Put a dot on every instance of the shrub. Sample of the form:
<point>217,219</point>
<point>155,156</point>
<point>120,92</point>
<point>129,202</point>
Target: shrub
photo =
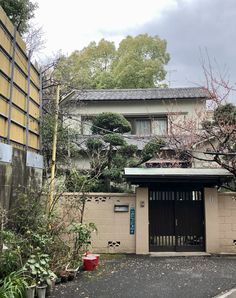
<point>13,286</point>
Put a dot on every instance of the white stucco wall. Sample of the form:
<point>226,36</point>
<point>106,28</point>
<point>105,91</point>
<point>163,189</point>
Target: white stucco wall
<point>185,108</point>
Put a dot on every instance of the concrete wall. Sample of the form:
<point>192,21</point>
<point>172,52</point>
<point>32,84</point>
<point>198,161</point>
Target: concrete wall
<point>16,176</point>
<point>211,220</point>
<point>113,234</point>
<point>227,222</point>
<point>114,227</point>
<point>142,220</point>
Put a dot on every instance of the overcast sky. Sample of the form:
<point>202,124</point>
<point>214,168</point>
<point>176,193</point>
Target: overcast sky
<point>189,26</point>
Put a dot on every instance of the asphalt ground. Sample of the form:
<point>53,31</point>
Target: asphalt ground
<point>143,276</point>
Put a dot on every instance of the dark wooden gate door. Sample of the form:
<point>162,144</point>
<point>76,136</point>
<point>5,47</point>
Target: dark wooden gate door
<point>176,220</point>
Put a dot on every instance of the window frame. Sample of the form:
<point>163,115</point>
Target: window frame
<point>151,119</point>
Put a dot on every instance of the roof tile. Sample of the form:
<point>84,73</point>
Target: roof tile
<point>138,94</point>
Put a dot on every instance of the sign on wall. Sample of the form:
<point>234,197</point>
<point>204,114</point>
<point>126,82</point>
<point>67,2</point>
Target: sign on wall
<point>132,221</point>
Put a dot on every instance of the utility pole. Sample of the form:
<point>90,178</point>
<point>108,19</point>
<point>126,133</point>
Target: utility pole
<point>54,151</point>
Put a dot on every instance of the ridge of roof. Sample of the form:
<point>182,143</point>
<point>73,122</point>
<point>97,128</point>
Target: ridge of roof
<point>137,89</point>
<point>137,94</point>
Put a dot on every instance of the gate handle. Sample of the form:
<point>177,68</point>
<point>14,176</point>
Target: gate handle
<point>176,222</point>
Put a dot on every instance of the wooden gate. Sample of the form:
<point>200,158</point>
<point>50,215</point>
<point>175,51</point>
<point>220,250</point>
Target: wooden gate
<point>176,220</point>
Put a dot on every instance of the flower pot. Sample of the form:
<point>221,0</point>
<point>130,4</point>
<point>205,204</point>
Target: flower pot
<point>30,291</point>
<point>90,263</point>
<point>41,291</point>
<point>97,256</point>
<point>50,287</point>
<point>72,271</point>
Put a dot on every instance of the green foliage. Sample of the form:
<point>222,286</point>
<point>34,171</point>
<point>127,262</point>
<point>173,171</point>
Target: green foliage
<point>138,62</point>
<point>19,12</point>
<point>151,149</point>
<point>81,234</point>
<point>29,221</point>
<point>110,122</point>
<point>77,181</point>
<point>94,144</point>
<point>34,239</point>
<point>225,115</point>
<point>28,213</point>
<point>114,139</point>
<point>13,286</point>
<point>38,267</point>
<point>10,259</point>
<point>106,156</point>
<point>114,174</point>
<point>63,139</point>
<point>221,134</point>
<point>109,154</point>
<point>89,68</point>
<point>128,150</point>
<point>27,232</point>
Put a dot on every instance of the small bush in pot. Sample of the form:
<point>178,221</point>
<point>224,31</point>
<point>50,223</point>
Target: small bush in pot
<point>38,267</point>
<point>31,286</point>
<point>81,235</point>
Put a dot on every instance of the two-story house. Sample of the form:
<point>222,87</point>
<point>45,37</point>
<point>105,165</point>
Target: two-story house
<point>151,112</point>
<point>174,209</point>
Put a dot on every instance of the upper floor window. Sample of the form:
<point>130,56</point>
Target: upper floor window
<point>141,126</point>
<point>149,126</point>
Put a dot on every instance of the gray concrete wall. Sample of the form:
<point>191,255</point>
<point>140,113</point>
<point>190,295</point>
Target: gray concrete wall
<point>15,177</point>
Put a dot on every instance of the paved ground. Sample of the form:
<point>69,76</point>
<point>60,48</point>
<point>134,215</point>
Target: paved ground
<point>138,276</point>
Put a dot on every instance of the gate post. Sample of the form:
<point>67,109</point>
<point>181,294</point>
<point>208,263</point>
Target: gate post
<point>211,220</point>
<point>142,221</point>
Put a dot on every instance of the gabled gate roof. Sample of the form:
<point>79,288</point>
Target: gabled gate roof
<point>203,177</point>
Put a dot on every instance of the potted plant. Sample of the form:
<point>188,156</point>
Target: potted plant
<point>31,286</point>
<point>81,235</point>
<point>38,268</point>
<point>30,291</point>
<point>51,282</point>
<point>73,267</point>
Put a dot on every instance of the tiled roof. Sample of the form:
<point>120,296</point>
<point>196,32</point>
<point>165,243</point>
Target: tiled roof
<point>177,172</point>
<point>137,94</point>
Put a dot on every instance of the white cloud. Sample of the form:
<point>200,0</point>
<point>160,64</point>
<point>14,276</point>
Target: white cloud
<point>72,24</point>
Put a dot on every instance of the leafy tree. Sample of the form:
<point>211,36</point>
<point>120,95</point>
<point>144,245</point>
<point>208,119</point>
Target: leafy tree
<point>110,127</point>
<point>19,12</point>
<point>151,149</point>
<point>106,151</point>
<point>89,68</point>
<point>109,154</point>
<point>221,134</point>
<point>107,123</point>
<point>138,62</point>
<point>214,144</point>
